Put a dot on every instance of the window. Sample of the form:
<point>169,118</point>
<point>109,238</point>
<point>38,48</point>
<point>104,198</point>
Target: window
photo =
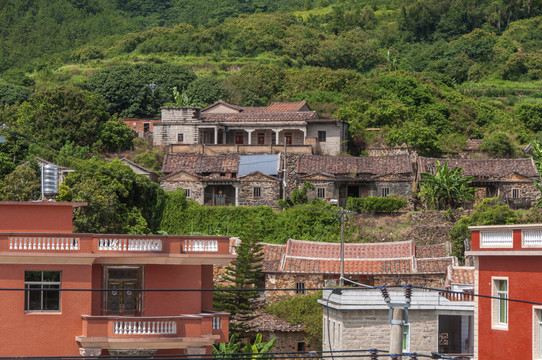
<point>406,338</point>
<point>261,139</point>
<point>146,127</point>
<point>301,346</point>
<point>180,138</point>
<point>187,193</point>
<point>321,136</point>
<point>500,305</point>
<point>257,192</point>
<point>41,300</point>
<point>515,193</point>
<point>217,323</point>
<point>321,192</point>
<point>537,332</point>
<point>385,192</point>
<point>288,138</point>
<point>299,287</point>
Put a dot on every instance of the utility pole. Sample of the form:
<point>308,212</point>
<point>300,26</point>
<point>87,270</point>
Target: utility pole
<point>284,172</point>
<point>342,246</point>
<point>396,340</point>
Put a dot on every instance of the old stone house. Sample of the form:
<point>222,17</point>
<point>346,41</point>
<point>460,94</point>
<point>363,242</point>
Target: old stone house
<point>290,338</point>
<point>304,265</point>
<point>257,129</point>
<point>239,180</point>
<point>509,179</point>
<point>341,177</point>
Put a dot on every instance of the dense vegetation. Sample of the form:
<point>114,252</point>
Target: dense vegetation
<point>427,73</point>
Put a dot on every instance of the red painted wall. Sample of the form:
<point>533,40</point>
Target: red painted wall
<point>524,278</point>
<point>42,334</point>
<point>36,217</point>
<point>172,277</point>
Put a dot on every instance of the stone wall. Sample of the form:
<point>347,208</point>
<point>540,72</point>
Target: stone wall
<point>330,191</point>
<point>165,134</point>
<point>288,281</point>
<point>196,189</point>
<point>269,191</point>
<point>527,192</point>
<point>366,329</point>
<point>332,145</point>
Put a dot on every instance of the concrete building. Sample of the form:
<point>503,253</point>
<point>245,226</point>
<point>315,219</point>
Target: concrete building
<point>60,309</point>
<point>227,128</point>
<point>359,319</point>
<point>508,263</point>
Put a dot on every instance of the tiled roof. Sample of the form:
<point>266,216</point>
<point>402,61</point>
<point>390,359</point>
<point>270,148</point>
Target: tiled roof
<point>492,168</point>
<point>272,255</point>
<point>286,106</point>
<point>197,163</point>
<point>431,251</point>
<point>461,275</point>
<point>343,165</point>
<point>264,322</point>
<point>473,144</point>
<point>306,257</point>
<point>259,116</point>
<point>311,249</point>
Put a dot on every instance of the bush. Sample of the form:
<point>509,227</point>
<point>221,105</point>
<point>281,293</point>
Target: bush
<point>302,310</point>
<point>375,204</point>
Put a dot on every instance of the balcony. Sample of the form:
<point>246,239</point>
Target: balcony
<point>98,248</point>
<point>520,239</point>
<point>152,333</point>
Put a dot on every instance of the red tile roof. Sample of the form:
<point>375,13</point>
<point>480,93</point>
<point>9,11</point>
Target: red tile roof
<point>492,168</point>
<point>461,275</point>
<point>198,164</point>
<point>432,251</point>
<point>259,116</point>
<point>306,257</point>
<point>264,322</point>
<point>344,165</point>
<point>287,106</point>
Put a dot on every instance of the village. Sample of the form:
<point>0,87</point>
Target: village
<point>412,293</point>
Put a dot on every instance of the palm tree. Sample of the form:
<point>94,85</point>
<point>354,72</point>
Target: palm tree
<point>446,189</point>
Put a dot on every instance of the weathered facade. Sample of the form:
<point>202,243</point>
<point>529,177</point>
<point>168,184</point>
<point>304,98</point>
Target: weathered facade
<point>216,180</point>
<point>509,179</point>
<point>293,124</point>
<point>341,177</point>
<point>304,265</point>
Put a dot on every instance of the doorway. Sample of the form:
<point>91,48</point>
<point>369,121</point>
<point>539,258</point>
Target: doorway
<point>124,297</point>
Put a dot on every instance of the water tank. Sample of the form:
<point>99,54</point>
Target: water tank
<point>49,182</point>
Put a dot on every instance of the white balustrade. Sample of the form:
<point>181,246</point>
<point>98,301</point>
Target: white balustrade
<point>145,327</point>
<point>111,244</point>
<point>200,245</point>
<point>43,243</point>
<point>532,238</point>
<point>496,239</point>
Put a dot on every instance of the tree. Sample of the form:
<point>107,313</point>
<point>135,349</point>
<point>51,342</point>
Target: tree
<point>299,196</point>
<point>119,201</point>
<point>243,273</point>
<point>59,115</point>
<point>206,90</point>
<point>23,184</point>
<point>421,138</point>
<point>446,189</point>
<point>116,136</point>
<point>499,144</point>
<point>139,90</point>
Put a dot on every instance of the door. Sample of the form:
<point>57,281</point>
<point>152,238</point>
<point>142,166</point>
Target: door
<point>123,298</point>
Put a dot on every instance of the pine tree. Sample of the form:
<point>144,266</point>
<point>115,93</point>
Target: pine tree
<point>244,272</point>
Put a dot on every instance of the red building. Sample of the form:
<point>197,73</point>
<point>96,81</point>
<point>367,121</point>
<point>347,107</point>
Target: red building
<point>41,260</point>
<point>508,263</point>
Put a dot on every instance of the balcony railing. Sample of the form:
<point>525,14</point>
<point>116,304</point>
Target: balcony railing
<point>33,242</point>
<point>196,325</point>
<point>114,244</point>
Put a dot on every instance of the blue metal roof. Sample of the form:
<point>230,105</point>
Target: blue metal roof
<point>267,164</point>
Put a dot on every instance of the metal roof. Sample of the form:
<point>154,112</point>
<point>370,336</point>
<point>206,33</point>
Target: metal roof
<point>267,164</point>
